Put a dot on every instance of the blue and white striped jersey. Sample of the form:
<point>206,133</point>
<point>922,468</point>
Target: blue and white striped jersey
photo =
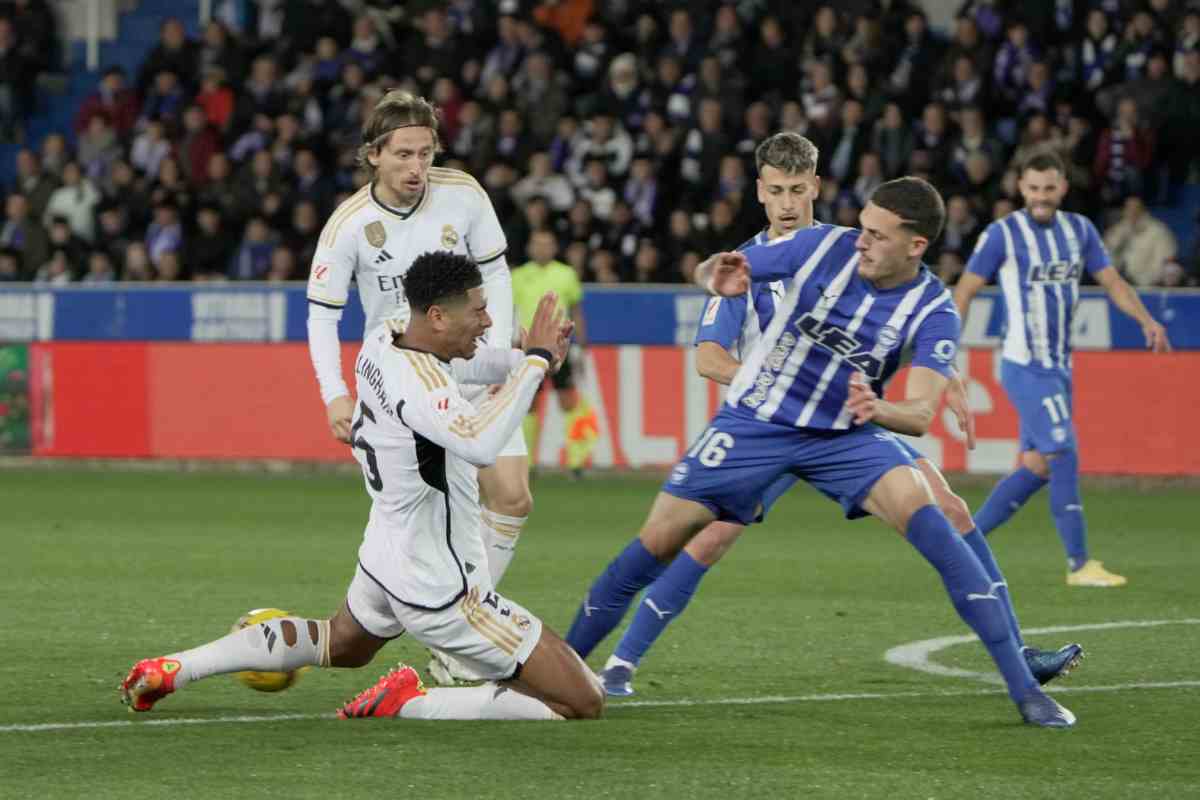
<point>1038,268</point>
<point>833,323</point>
<point>736,323</point>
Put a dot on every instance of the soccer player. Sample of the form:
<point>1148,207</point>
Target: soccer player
<point>787,186</point>
<point>530,281</point>
<point>421,567</point>
<point>1038,254</point>
<point>806,403</point>
<point>408,208</point>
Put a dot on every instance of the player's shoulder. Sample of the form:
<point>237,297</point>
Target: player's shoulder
<point>343,216</point>
<point>418,369</point>
<point>1080,224</point>
<point>448,181</point>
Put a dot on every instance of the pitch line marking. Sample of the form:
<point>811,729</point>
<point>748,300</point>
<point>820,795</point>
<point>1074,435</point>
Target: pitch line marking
<point>915,655</point>
<point>682,703</point>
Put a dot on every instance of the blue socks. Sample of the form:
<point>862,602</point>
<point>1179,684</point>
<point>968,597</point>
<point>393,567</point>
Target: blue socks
<point>1012,492</point>
<point>608,599</point>
<point>979,546</point>
<point>969,588</point>
<point>1066,508</point>
<point>665,600</point>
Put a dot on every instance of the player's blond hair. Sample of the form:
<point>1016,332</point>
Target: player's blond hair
<point>787,152</point>
<point>395,110</point>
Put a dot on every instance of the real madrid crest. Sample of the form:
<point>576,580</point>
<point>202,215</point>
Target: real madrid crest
<point>449,237</point>
<point>376,233</point>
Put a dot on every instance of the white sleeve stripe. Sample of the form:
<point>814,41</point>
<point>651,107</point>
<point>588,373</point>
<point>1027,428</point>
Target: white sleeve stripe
<point>937,303</point>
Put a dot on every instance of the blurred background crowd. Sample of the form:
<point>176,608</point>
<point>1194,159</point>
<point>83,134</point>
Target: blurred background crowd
<point>627,127</point>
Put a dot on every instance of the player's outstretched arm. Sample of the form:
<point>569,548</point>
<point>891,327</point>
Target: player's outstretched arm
<point>1125,297</point>
<point>436,410</point>
<point>911,416</point>
<point>956,400</point>
<point>325,351</point>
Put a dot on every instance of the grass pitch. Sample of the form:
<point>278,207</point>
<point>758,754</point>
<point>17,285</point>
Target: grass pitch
<point>773,684</point>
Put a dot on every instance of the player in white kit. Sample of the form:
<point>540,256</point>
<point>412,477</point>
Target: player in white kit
<point>421,567</point>
<point>411,207</point>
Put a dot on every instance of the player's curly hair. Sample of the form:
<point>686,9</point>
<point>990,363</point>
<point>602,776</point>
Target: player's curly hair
<point>396,109</point>
<point>914,200</point>
<point>439,278</point>
<point>788,152</point>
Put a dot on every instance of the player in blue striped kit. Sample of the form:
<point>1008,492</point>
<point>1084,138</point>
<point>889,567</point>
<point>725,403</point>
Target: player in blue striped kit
<point>729,328</point>
<point>1037,255</point>
<point>806,403</point>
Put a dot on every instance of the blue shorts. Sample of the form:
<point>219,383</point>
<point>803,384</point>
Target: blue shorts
<point>739,466</point>
<point>1043,402</point>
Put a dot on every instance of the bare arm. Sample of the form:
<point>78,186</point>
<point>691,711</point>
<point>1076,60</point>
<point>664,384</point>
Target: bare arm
<point>911,416</point>
<point>965,290</point>
<point>1125,297</point>
<point>715,363</point>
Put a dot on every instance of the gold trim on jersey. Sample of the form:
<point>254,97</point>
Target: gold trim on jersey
<point>326,300</point>
<point>503,528</point>
<point>485,622</point>
<point>490,411</point>
<point>343,212</point>
<point>454,177</point>
<point>429,374</point>
<point>492,255</point>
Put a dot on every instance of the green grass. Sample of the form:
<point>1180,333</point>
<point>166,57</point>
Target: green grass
<point>102,568</point>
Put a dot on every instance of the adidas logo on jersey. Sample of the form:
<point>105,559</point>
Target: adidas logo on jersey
<point>383,256</point>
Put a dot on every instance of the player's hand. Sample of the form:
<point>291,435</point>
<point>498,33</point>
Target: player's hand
<point>862,401</point>
<point>545,329</point>
<point>564,346</point>
<point>1156,337</point>
<point>726,274</point>
<point>956,399</point>
<point>338,412</point>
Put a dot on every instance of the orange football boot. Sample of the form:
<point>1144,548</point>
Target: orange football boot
<point>387,696</point>
<point>150,680</point>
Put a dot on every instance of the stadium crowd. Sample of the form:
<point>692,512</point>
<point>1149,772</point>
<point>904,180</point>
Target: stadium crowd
<point>627,127</point>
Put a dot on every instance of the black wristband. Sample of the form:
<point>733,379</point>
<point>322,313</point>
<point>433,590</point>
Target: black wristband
<point>541,352</point>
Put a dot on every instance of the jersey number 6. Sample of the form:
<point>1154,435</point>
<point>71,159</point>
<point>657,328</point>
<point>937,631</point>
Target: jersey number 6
<point>373,476</point>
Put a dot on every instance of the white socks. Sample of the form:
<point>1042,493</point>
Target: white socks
<point>489,701</point>
<point>500,534</point>
<point>277,645</point>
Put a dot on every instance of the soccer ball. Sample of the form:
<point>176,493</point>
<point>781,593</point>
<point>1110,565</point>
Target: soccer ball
<point>265,681</point>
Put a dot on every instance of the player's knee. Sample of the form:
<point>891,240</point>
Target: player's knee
<point>957,511</point>
<point>713,542</point>
<point>1036,463</point>
<point>590,702</point>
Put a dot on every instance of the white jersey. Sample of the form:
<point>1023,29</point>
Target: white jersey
<point>420,442</point>
<point>375,245</point>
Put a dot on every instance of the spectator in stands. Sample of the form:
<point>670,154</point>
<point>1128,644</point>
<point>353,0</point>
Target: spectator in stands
<point>169,267</point>
<point>1096,52</point>
<point>283,265</point>
<point>55,154</point>
<point>98,148</point>
<point>860,88</point>
<point>870,175</point>
<point>919,55</point>
<point>1139,245</point>
<point>261,93</point>
<point>580,225</point>
<point>61,237</point>
<point>963,226</point>
<point>603,267</point>
<point>197,145</point>
<point>210,247</point>
<point>10,265</point>
<point>932,134</point>
<point>221,188</point>
<point>820,95</point>
<point>540,96</point>
<point>542,181</point>
<point>252,259</point>
<point>1123,154</point>
<point>648,266</point>
<point>75,201</point>
<point>893,140</point>
<point>23,234</point>
<point>703,147</point>
<point>255,180</point>
<point>100,268</point>
<point>36,30</point>
<point>967,41</point>
<point>219,50</point>
<point>972,137</point>
<point>35,183</point>
<point>845,143</point>
<point>603,138</point>
<point>1010,70</point>
<point>112,231</point>
<point>124,186</point>
<point>165,233</point>
<point>596,190</point>
<point>366,48</point>
<point>16,84</point>
<point>136,265</point>
<point>772,69</point>
<point>1140,38</point>
<point>311,184</point>
<point>114,101</point>
<point>55,272</point>
<point>1179,116</point>
<point>149,149</point>
<point>824,40</point>
<point>510,143</point>
<point>302,232</point>
<point>432,51</point>
<point>175,53</point>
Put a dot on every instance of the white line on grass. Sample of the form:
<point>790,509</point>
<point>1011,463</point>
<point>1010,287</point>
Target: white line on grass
<point>616,705</point>
<point>915,655</point>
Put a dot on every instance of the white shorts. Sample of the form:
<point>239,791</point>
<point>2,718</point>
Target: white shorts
<point>489,634</point>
